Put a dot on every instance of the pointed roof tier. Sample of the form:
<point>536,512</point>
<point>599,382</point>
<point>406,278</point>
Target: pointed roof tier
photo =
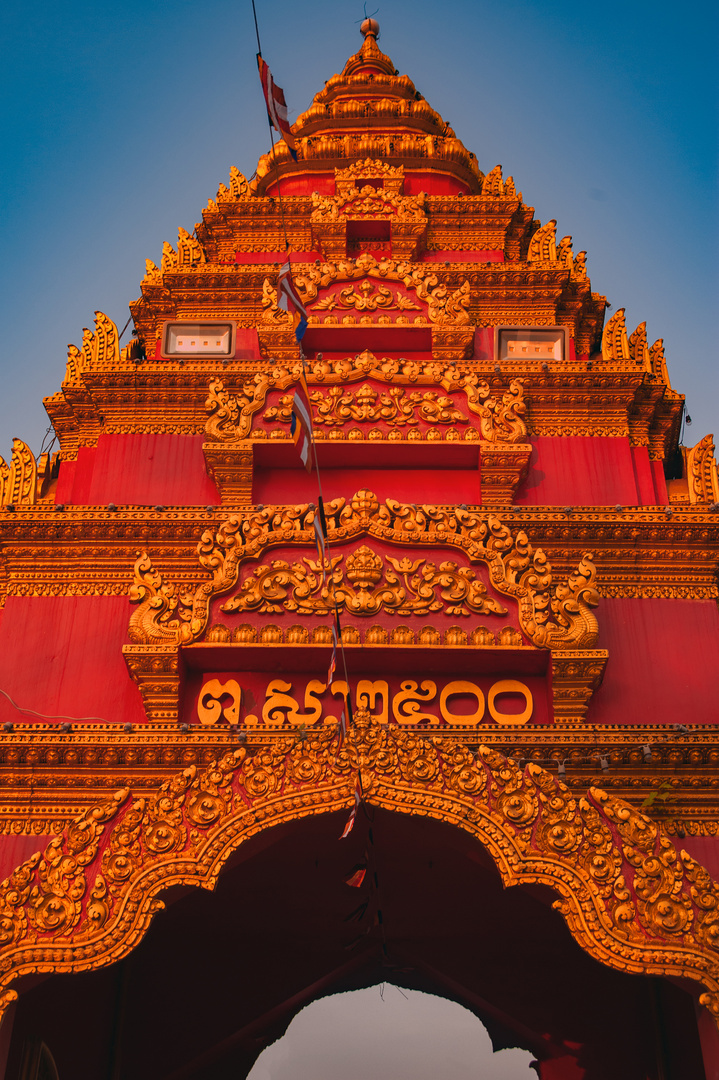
<point>370,111</point>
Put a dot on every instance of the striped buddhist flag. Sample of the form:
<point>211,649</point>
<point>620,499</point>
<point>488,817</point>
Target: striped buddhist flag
<point>320,524</point>
<point>301,425</point>
<point>333,659</point>
<point>276,106</point>
<point>351,819</point>
<point>289,299</point>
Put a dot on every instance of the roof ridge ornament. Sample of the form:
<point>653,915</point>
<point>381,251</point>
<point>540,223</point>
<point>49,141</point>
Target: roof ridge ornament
<point>370,56</point>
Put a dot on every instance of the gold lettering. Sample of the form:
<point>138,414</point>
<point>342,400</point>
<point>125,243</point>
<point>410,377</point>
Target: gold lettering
<point>461,687</point>
<point>277,700</point>
<point>313,707</point>
<point>367,694</point>
<point>510,686</point>
<point>410,698</point>
<point>209,703</point>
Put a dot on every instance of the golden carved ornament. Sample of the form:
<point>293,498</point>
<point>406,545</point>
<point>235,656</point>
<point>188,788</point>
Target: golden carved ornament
<point>564,252</point>
<point>366,585</point>
<point>501,414</point>
<point>658,364</point>
<point>153,274</point>
<point>615,346</point>
<point>702,472</point>
<point>543,245</point>
<point>100,351</point>
<point>239,187</point>
<point>638,347</point>
<point>18,480</point>
<point>443,306</point>
<point>552,616</point>
<point>190,252</point>
<point>392,176</point>
<point>396,408</point>
<point>368,202</point>
<point>495,188</point>
<point>629,897</point>
<point>368,297</point>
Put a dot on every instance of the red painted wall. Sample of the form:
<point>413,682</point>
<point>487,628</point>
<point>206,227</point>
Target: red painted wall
<point>63,655</point>
<point>147,469</point>
<point>589,471</point>
<point>663,662</point>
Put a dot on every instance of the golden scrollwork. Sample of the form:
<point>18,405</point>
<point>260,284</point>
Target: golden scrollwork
<point>392,176</point>
<point>271,312</point>
<point>502,414</point>
<point>18,480</point>
<point>629,897</point>
<point>366,585</point>
<point>443,306</point>
<point>367,297</point>
<point>396,408</point>
<point>553,616</point>
<point>369,202</point>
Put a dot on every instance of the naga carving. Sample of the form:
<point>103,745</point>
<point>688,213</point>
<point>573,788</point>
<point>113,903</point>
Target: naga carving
<point>615,346</point>
<point>494,187</point>
<point>18,480</point>
<point>702,472</point>
<point>501,414</point>
<point>552,616</point>
<point>630,898</point>
<point>190,252</point>
<point>543,245</point>
<point>100,351</point>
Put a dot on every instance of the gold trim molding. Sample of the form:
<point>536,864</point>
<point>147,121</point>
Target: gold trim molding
<point>629,897</point>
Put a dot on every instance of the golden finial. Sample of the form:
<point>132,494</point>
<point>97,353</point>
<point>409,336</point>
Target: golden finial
<point>370,28</point>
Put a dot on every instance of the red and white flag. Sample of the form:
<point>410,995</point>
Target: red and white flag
<point>351,819</point>
<point>301,425</point>
<point>321,541</point>
<point>289,300</point>
<point>333,659</point>
<point>276,106</point>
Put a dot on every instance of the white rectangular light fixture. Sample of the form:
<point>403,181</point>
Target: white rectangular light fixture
<point>198,339</point>
<point>530,343</point>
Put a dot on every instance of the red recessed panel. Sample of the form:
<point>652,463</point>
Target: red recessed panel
<point>147,469</point>
<point>62,655</point>
<point>663,662</point>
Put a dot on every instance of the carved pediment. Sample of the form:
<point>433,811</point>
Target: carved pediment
<point>551,617</point>
<point>437,396</point>
<point>470,562</point>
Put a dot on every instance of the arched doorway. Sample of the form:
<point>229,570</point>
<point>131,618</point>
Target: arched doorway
<point>221,974</point>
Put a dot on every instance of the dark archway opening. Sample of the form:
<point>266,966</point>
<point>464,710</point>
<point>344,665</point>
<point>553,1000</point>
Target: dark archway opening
<point>220,975</point>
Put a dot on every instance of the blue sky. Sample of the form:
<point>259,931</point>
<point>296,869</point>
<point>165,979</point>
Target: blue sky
<point>119,121</point>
